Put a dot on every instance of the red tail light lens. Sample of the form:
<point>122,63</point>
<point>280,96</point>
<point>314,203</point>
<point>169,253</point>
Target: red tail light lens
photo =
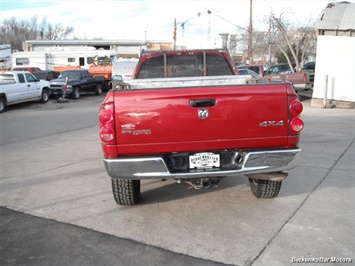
<point>105,115</point>
<point>107,134</point>
<point>295,123</point>
<point>107,130</point>
<point>296,107</point>
<point>296,126</point>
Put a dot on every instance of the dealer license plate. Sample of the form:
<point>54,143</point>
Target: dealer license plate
<point>204,160</point>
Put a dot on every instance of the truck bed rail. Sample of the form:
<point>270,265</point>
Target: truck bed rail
<point>187,82</point>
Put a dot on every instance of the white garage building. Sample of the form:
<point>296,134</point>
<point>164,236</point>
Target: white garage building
<point>334,83</point>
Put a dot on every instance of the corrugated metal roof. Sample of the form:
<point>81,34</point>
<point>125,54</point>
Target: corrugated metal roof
<point>337,16</point>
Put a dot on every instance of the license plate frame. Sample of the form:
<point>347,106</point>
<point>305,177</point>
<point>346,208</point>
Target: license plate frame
<point>204,160</point>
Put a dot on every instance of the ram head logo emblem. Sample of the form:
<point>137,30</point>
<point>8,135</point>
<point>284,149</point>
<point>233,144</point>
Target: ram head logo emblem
<point>203,113</point>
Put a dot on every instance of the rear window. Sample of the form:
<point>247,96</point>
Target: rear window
<point>217,65</point>
<point>185,65</point>
<point>21,78</point>
<point>22,61</point>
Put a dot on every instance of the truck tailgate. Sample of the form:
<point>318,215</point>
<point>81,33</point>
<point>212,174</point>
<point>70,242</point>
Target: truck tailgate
<point>201,119</point>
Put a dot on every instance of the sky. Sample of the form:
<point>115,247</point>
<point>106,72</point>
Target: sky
<point>154,19</point>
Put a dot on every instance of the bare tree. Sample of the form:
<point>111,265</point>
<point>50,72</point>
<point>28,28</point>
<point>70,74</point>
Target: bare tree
<point>261,48</point>
<point>300,41</point>
<point>10,32</point>
<point>57,32</point>
<point>15,32</point>
<point>294,42</point>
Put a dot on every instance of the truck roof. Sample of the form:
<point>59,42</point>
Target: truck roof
<point>190,51</point>
<point>75,70</point>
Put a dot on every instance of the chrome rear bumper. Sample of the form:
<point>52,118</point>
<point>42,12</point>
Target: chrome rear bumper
<point>251,162</point>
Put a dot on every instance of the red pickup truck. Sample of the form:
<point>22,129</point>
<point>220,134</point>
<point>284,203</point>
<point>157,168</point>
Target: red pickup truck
<point>189,116</point>
<point>300,80</point>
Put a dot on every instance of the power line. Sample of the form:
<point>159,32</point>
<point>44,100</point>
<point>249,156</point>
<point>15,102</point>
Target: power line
<point>218,16</point>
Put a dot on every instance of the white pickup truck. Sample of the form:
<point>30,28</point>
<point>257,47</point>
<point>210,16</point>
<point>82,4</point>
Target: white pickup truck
<point>21,86</point>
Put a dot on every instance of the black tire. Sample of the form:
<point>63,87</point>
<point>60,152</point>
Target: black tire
<point>126,192</point>
<point>265,189</point>
<point>98,89</point>
<point>76,93</point>
<point>2,104</point>
<point>45,96</point>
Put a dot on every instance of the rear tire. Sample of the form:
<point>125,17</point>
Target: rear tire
<point>98,89</point>
<point>126,192</point>
<point>265,189</point>
<point>76,93</point>
<point>2,104</point>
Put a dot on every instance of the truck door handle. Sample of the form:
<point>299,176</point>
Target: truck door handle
<point>203,103</point>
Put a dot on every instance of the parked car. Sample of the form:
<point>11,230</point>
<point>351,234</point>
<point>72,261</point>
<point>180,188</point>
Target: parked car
<point>79,81</point>
<point>258,68</point>
<point>279,69</point>
<point>29,69</point>
<point>46,74</point>
<point>245,71</point>
<point>21,86</point>
<point>300,80</point>
<point>310,67</point>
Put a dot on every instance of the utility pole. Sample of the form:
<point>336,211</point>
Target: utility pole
<point>174,34</point>
<point>250,36</point>
<point>269,40</point>
<point>209,26</point>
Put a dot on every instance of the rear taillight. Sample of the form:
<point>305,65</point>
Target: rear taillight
<point>304,77</point>
<point>107,125</point>
<point>296,107</point>
<point>295,122</point>
<point>296,126</point>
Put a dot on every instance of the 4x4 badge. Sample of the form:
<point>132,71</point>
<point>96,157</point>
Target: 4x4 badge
<point>272,124</point>
<point>203,113</point>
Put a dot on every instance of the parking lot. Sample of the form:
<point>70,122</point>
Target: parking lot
<point>51,167</point>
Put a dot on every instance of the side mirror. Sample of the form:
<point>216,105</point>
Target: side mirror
<point>117,83</point>
<point>117,78</point>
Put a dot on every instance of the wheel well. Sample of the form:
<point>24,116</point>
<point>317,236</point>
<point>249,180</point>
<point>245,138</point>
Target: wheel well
<point>3,95</point>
